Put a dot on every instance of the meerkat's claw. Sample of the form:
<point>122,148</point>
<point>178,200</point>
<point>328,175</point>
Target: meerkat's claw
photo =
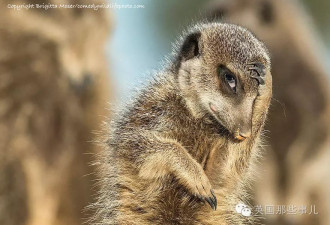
<point>259,79</point>
<point>257,64</point>
<point>211,203</point>
<point>214,199</point>
<point>258,70</point>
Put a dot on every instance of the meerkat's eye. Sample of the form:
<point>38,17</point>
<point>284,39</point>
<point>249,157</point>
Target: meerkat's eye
<point>230,79</point>
<point>227,77</point>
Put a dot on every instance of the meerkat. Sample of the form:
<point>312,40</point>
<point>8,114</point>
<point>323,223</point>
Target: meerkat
<point>296,161</point>
<point>182,151</point>
<point>54,93</point>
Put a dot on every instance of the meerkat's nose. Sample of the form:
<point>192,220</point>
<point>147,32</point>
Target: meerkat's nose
<point>242,134</point>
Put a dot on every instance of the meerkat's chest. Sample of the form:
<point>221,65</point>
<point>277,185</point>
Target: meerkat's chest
<point>203,148</point>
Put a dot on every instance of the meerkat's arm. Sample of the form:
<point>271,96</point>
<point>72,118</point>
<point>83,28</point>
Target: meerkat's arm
<point>166,156</point>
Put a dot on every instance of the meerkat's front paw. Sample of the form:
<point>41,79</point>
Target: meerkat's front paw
<point>204,191</point>
<point>199,185</point>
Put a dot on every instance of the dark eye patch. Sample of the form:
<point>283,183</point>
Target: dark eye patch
<point>257,71</point>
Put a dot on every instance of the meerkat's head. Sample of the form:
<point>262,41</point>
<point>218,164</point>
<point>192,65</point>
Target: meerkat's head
<point>221,70</point>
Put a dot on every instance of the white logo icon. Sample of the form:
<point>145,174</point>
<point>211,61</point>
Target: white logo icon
<point>246,212</point>
<point>243,209</point>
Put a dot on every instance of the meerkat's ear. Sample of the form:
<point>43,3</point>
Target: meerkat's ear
<point>189,48</point>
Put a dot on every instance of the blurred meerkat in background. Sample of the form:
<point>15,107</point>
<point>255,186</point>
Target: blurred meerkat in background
<point>53,93</point>
<point>297,163</point>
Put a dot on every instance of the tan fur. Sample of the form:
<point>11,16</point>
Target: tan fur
<point>54,90</point>
<point>167,150</point>
<point>296,165</point>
